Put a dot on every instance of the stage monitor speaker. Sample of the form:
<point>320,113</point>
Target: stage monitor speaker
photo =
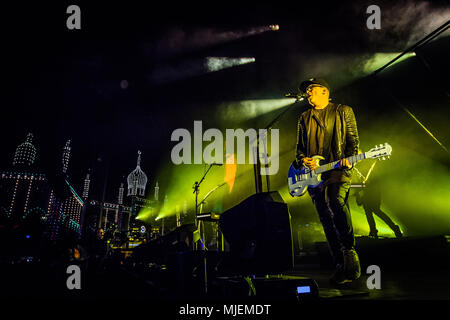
<point>258,231</point>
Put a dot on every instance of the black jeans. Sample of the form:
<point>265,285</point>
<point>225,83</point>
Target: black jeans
<point>331,202</point>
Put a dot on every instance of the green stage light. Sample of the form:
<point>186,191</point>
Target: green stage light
<point>378,60</point>
<point>249,109</point>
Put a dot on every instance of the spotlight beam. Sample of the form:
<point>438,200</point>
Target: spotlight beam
<point>213,64</point>
<point>249,109</point>
<point>426,130</point>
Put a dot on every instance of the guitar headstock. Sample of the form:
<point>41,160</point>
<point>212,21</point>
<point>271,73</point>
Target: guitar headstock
<point>380,152</point>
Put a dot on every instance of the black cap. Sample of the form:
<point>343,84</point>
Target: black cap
<point>305,84</point>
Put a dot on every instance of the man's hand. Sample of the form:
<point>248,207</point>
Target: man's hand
<point>310,163</point>
<point>345,164</point>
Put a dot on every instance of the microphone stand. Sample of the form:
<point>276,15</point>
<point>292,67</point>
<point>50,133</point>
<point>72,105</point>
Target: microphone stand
<point>196,188</point>
<point>257,166</point>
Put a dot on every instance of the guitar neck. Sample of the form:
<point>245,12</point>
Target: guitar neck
<point>335,164</point>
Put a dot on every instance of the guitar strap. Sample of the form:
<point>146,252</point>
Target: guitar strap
<point>330,126</point>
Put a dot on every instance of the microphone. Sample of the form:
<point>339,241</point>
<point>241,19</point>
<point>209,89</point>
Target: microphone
<point>216,164</point>
<point>299,96</point>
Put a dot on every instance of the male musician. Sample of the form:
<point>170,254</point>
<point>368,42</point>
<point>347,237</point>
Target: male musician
<point>330,130</point>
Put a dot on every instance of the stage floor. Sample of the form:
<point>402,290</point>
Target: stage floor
<point>395,285</point>
<point>410,269</point>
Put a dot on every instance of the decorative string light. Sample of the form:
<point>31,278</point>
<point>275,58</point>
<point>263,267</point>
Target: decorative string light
<point>25,152</point>
<point>66,156</point>
<point>87,182</point>
<point>26,182</point>
<point>14,195</point>
<point>28,196</point>
<point>137,180</point>
<point>121,190</point>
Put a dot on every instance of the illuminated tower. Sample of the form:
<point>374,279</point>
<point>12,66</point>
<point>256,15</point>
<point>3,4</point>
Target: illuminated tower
<point>156,191</point>
<point>28,199</point>
<point>66,157</point>
<point>121,190</point>
<point>137,180</point>
<point>25,153</point>
<point>72,206</point>
<point>87,182</point>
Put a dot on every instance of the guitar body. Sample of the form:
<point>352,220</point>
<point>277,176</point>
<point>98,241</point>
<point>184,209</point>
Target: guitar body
<point>300,179</point>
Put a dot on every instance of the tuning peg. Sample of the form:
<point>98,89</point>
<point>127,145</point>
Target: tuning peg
<point>384,158</point>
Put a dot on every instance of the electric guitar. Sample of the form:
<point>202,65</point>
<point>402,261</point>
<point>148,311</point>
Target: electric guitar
<point>300,179</point>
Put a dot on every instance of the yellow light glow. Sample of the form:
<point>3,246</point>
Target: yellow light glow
<point>230,171</point>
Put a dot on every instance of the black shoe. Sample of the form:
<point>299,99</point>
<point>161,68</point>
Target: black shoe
<point>397,231</point>
<point>339,276</point>
<point>352,269</point>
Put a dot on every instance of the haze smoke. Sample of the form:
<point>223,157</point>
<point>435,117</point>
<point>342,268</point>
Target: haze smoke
<point>406,22</point>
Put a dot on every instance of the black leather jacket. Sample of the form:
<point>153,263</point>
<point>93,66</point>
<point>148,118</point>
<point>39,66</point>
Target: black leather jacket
<point>345,141</point>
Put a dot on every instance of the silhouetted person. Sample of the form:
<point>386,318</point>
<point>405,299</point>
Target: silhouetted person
<point>369,198</point>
